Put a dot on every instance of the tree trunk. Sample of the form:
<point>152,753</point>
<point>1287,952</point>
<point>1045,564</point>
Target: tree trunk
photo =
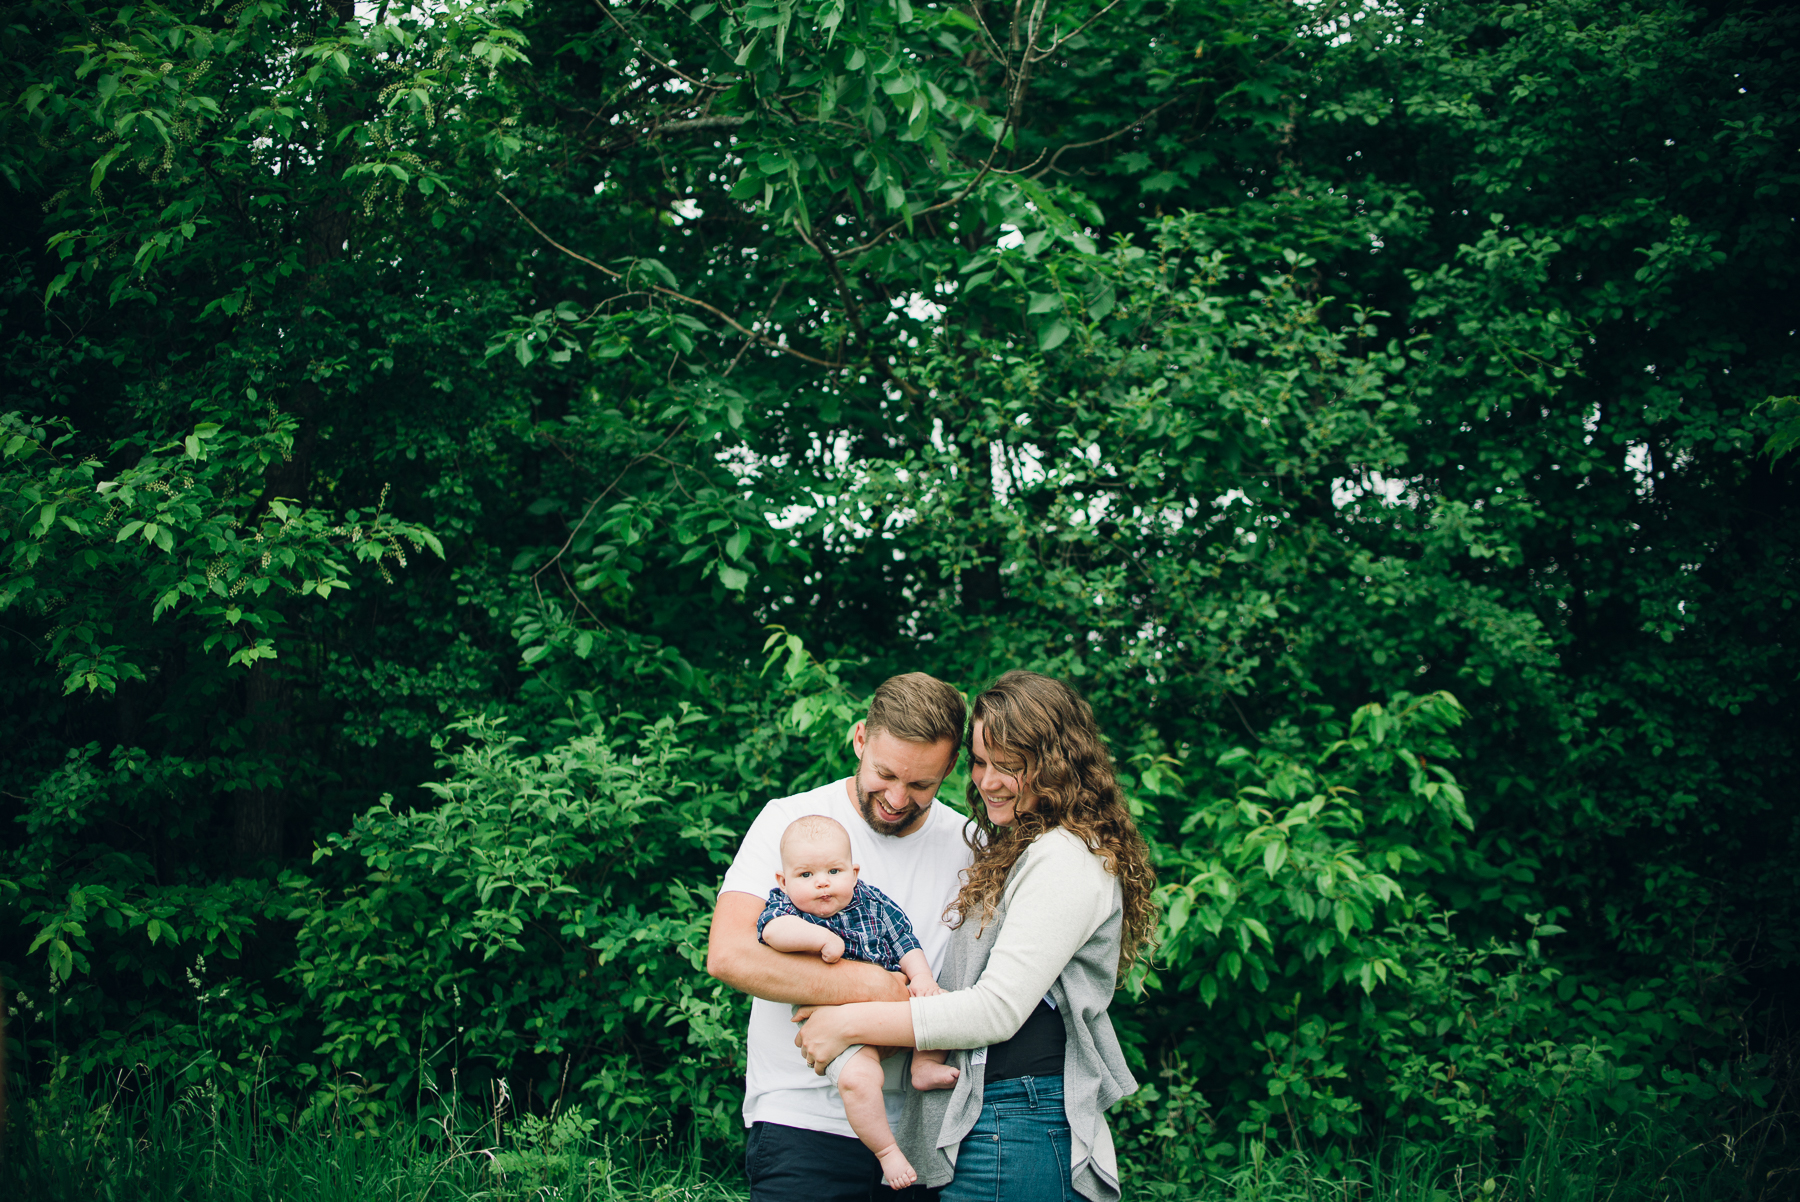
<point>260,814</point>
<point>980,585</point>
<point>2,1063</point>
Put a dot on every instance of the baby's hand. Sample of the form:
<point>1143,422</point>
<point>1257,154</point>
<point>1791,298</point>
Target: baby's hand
<point>923,987</point>
<point>833,951</point>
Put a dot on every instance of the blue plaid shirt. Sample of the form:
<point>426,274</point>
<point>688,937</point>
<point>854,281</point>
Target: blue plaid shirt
<point>873,926</point>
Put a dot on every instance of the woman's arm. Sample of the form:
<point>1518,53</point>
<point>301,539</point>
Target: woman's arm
<point>828,1030</point>
<point>1059,894</point>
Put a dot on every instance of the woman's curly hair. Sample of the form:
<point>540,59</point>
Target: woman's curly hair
<point>1042,729</point>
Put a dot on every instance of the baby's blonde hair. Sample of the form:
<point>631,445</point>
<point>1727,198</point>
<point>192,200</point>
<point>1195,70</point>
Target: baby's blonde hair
<point>810,829</point>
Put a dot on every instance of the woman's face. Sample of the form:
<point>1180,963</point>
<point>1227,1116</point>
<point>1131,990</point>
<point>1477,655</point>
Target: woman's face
<point>1004,794</point>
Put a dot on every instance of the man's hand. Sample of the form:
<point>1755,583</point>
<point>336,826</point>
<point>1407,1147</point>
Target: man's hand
<point>735,956</point>
<point>821,1037</point>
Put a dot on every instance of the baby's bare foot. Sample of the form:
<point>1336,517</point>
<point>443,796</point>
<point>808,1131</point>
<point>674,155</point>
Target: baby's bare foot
<point>896,1170</point>
<point>929,1074</point>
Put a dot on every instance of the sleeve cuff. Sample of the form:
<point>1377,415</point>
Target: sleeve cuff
<point>921,1021</point>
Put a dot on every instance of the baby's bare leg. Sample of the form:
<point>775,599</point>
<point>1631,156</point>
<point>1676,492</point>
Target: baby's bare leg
<point>930,1072</point>
<point>860,1086</point>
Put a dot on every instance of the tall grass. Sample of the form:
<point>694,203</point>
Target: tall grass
<point>207,1148</point>
<point>202,1147</point>
<point>1638,1159</point>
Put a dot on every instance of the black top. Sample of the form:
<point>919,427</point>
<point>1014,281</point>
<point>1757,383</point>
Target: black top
<point>1035,1051</point>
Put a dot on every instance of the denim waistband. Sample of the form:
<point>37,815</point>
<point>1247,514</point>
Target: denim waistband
<point>1032,1091</point>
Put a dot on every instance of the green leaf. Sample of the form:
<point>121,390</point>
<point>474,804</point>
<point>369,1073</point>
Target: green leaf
<point>1178,912</point>
<point>657,269</point>
<point>1053,335</point>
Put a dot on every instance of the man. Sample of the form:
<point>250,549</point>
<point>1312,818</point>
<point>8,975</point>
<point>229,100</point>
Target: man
<point>911,847</point>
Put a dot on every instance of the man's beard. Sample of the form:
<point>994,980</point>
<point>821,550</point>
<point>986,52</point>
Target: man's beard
<point>865,805</point>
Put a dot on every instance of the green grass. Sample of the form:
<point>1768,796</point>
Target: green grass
<point>1628,1160</point>
<point>202,1149</point>
<point>199,1151</point>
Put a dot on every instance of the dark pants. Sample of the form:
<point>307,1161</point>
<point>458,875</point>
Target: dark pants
<point>792,1164</point>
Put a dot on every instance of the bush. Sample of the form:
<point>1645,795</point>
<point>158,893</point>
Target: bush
<point>549,911</point>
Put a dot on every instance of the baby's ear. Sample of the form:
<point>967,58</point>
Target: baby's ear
<point>782,881</point>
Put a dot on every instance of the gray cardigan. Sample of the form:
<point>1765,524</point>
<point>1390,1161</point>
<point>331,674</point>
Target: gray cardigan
<point>1095,1076</point>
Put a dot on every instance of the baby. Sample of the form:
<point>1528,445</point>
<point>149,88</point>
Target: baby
<point>821,907</point>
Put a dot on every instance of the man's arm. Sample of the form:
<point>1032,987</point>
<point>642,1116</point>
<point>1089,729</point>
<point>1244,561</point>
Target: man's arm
<point>735,956</point>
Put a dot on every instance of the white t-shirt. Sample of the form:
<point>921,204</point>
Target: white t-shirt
<point>921,872</point>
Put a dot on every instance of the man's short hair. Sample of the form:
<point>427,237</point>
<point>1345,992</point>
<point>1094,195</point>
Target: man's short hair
<point>918,708</point>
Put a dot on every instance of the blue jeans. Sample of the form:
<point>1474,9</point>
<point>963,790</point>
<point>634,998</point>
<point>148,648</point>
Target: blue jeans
<point>1018,1150</point>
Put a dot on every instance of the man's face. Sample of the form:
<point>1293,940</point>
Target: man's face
<point>896,781</point>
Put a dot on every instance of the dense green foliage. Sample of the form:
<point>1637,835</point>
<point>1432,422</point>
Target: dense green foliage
<point>416,418</point>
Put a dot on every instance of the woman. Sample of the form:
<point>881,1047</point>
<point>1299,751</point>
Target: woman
<point>1057,905</point>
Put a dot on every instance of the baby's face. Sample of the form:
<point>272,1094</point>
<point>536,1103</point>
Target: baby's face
<point>818,877</point>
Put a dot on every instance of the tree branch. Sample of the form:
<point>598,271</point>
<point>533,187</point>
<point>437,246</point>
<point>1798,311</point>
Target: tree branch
<point>767,313</point>
<point>1053,47</point>
<point>674,295</point>
<point>588,512</point>
<point>982,25</point>
<point>853,312</point>
<point>980,175</point>
<point>645,50</point>
<point>1051,165</point>
<point>692,123</point>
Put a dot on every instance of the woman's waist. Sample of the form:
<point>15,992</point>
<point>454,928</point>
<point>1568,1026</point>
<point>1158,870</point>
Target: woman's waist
<point>1023,1091</point>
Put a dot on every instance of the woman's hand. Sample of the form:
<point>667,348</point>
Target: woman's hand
<point>823,1035</point>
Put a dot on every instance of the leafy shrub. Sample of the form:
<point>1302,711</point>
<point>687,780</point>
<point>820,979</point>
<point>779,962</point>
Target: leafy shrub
<point>1303,906</point>
<point>550,909</point>
<point>141,968</point>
